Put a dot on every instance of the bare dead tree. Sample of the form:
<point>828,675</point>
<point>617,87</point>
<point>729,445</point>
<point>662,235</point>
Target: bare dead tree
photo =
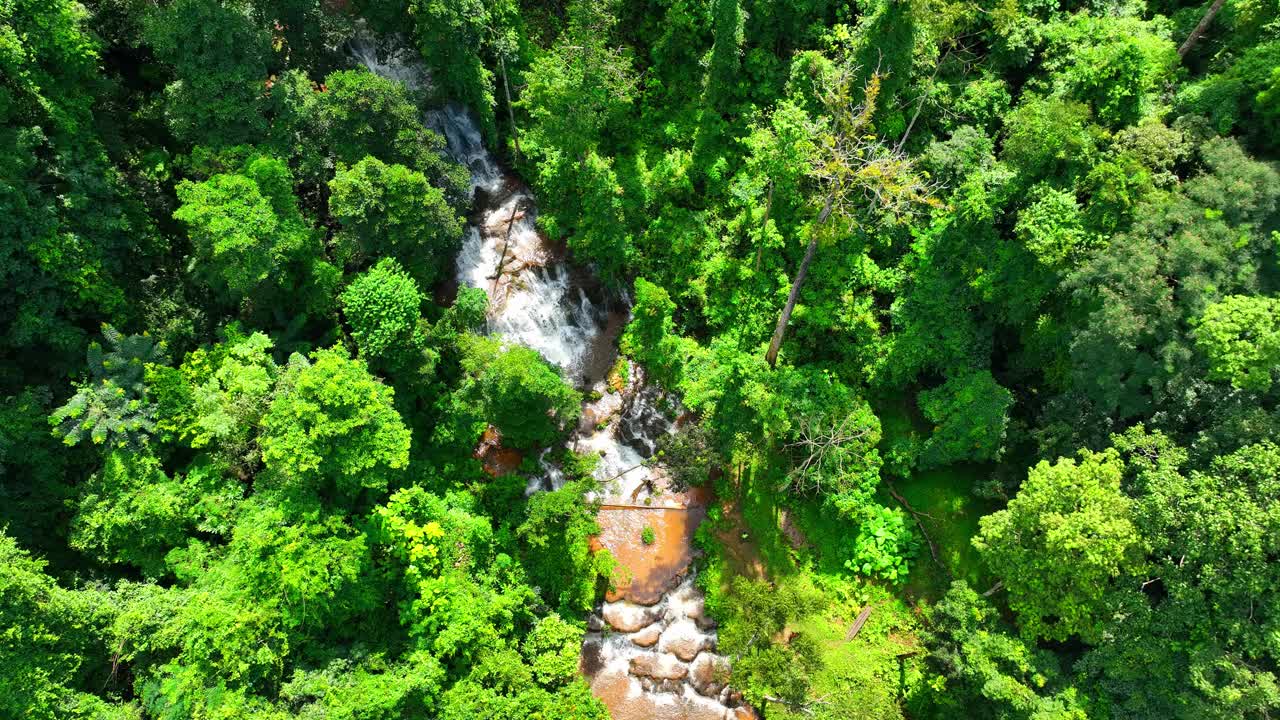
<point>1200,27</point>
<point>855,172</point>
<point>822,448</point>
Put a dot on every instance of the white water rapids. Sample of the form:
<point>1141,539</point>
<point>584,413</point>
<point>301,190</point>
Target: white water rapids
<point>644,661</point>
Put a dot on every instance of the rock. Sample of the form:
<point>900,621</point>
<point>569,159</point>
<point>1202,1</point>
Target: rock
<point>708,674</point>
<point>594,623</point>
<point>647,637</point>
<point>682,639</point>
<point>745,712</point>
<point>658,667</point>
<point>628,618</point>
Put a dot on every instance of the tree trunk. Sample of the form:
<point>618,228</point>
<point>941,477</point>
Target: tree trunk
<point>511,113</point>
<point>778,332</point>
<point>1200,27</point>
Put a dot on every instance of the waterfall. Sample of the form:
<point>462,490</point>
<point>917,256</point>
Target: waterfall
<point>666,665</point>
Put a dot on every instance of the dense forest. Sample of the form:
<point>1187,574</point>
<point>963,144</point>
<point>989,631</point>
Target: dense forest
<point>955,323</point>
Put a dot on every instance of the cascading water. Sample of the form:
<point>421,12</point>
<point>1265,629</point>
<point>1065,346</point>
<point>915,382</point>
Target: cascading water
<point>649,652</point>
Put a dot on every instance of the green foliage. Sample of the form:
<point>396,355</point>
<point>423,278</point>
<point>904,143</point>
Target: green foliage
<point>755,614</point>
<point>390,210</point>
<point>383,307</point>
<point>977,667</point>
<point>219,58</point>
<point>1061,544</point>
<point>970,414</point>
<point>52,653</point>
<point>112,408</point>
<point>647,536</point>
<point>556,549</point>
<point>248,235</point>
<point>885,545</point>
<point>132,512</point>
<point>1241,338</point>
<point>519,392</point>
<point>332,428</point>
<point>361,114</point>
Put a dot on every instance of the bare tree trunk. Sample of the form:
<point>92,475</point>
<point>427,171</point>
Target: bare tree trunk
<point>1200,27</point>
<point>511,113</point>
<point>768,206</point>
<point>771,357</point>
<point>502,259</point>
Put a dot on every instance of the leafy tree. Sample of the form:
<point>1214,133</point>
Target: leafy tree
<point>1241,337</point>
<point>383,307</point>
<point>361,114</point>
<point>1062,543</point>
<point>970,414</point>
<point>77,237</point>
<point>390,210</point>
<point>331,428</point>
<point>755,613</point>
<point>245,227</point>
<point>555,538</point>
<point>219,57</point>
<point>53,658</point>
<point>977,667</point>
<point>316,570</point>
<point>132,512</point>
<point>551,649</point>
<point>113,407</point>
<point>519,392</point>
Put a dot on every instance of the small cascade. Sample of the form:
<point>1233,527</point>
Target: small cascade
<point>666,666</point>
<point>465,144</point>
<point>392,59</point>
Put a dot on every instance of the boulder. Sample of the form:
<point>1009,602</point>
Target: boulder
<point>628,618</point>
<point>708,674</point>
<point>647,637</point>
<point>658,667</point>
<point>594,623</point>
<point>683,639</point>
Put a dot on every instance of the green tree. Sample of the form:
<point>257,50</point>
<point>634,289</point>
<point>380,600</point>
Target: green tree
<point>332,428</point>
<point>219,57</point>
<point>1062,543</point>
<point>555,539</point>
<point>970,414</point>
<point>53,655</point>
<point>390,210</point>
<point>976,667</point>
<point>113,406</point>
<point>519,392</point>
<point>246,228</point>
<point>132,512</point>
<point>1241,337</point>
<point>384,308</point>
<point>361,114</point>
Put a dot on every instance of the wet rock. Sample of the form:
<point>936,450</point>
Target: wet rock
<point>683,640</point>
<point>628,618</point>
<point>647,637</point>
<point>658,667</point>
<point>594,623</point>
<point>708,675</point>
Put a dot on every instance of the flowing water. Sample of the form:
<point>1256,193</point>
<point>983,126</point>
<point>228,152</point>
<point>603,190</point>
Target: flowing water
<point>650,649</point>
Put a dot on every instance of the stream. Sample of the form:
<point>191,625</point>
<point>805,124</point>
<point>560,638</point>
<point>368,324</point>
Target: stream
<point>650,648</point>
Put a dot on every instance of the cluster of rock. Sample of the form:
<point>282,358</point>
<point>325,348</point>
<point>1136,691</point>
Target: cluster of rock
<point>660,660</point>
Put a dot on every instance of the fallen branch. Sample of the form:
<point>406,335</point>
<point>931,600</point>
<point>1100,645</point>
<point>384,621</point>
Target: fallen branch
<point>858,623</point>
<point>502,259</point>
<point>933,549</point>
